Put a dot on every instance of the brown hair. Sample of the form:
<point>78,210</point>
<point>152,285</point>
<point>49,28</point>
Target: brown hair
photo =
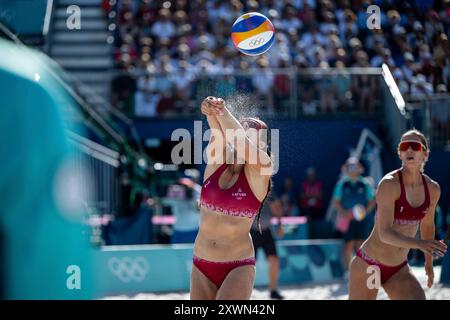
<point>422,139</point>
<point>254,123</point>
<point>258,124</point>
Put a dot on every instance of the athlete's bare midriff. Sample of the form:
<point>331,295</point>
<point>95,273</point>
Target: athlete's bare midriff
<point>222,237</point>
<point>385,253</point>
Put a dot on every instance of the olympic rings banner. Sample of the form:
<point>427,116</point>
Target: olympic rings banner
<point>162,268</point>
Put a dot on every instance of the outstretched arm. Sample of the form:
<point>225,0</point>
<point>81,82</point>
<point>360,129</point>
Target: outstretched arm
<point>217,144</point>
<point>245,147</point>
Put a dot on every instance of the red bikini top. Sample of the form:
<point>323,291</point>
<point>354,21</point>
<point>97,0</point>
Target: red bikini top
<point>239,200</point>
<point>404,213</point>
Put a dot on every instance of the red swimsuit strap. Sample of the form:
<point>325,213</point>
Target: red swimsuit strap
<point>402,187</point>
<point>427,192</point>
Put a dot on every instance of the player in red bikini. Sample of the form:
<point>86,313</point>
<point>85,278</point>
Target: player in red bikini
<point>406,200</point>
<point>231,197</point>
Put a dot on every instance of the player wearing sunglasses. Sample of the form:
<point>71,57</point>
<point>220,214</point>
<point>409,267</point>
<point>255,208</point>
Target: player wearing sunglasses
<point>406,200</point>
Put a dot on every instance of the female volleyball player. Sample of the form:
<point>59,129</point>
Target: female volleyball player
<point>236,182</point>
<point>406,199</point>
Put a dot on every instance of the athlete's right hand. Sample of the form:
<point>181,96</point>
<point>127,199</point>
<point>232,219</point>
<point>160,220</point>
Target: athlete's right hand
<point>433,247</point>
<point>212,106</point>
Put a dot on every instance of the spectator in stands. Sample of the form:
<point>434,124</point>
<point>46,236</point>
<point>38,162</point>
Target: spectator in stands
<point>401,82</point>
<point>206,40</point>
<point>262,81</point>
<point>182,81</point>
<point>307,90</point>
<point>164,55</point>
<point>221,32</point>
<point>126,8</point>
<point>203,53</point>
<point>408,67</point>
<point>282,52</point>
<point>146,23</point>
<point>146,63</point>
<point>383,56</point>
<point>420,88</point>
<point>327,92</point>
<point>331,49</point>
<point>308,16</point>
<point>348,28</point>
<point>147,12</point>
<point>441,58</point>
<point>288,198</point>
<point>364,86</point>
<point>282,86</point>
<point>180,19</point>
<point>146,97</point>
<point>106,6</point>
<point>342,83</point>
<point>311,203</point>
<point>235,10</point>
<point>290,21</point>
<point>312,37</point>
<point>128,51</point>
<point>166,105</point>
<point>163,27</point>
<point>425,66</point>
<point>328,25</point>
<point>217,10</point>
<point>163,83</point>
<point>352,190</point>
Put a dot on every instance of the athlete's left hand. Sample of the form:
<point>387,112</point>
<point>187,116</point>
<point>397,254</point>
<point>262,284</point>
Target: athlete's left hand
<point>218,104</point>
<point>430,273</point>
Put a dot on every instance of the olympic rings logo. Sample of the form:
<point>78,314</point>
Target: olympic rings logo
<point>256,42</point>
<point>128,269</point>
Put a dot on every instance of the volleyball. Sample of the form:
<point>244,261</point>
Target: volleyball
<point>253,33</point>
<point>359,212</point>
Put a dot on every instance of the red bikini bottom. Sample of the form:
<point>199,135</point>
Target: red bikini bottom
<point>386,271</point>
<point>218,271</point>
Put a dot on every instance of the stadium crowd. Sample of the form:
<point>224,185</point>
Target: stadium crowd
<point>169,50</point>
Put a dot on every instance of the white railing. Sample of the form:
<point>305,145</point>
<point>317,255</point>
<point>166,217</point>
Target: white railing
<point>278,93</point>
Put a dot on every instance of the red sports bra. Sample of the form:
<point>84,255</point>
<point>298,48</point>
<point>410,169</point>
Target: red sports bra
<point>404,213</point>
<point>239,200</point>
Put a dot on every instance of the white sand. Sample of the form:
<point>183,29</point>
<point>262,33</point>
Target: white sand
<point>326,291</point>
